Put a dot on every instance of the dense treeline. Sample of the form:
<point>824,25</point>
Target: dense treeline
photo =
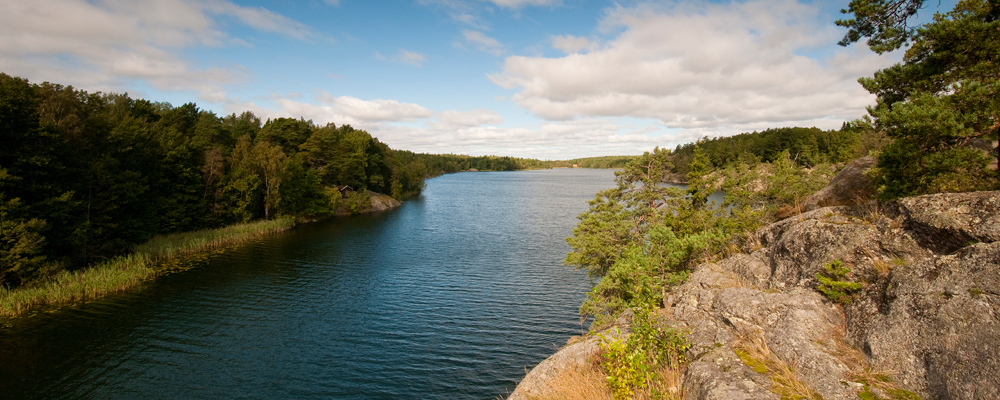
<point>87,176</point>
<point>808,147</point>
<point>595,162</point>
<point>439,164</point>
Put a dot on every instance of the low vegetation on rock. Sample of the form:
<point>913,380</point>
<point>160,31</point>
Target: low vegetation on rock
<point>873,284</point>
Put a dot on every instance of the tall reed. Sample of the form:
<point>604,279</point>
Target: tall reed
<point>125,272</point>
<point>169,246</point>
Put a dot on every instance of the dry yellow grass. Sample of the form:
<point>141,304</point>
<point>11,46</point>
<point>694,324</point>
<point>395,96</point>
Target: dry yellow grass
<point>591,384</point>
<point>861,371</point>
<point>578,384</point>
<point>755,353</point>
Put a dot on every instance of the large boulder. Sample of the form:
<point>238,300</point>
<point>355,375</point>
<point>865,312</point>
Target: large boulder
<point>928,310</point>
<point>542,381</point>
<point>850,186</point>
<point>723,310</point>
<point>381,202</point>
<point>937,324</point>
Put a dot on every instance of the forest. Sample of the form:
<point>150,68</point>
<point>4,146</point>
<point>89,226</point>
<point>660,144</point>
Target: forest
<point>808,147</point>
<point>86,176</point>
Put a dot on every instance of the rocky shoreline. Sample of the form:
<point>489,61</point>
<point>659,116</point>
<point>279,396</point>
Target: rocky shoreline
<point>922,324</point>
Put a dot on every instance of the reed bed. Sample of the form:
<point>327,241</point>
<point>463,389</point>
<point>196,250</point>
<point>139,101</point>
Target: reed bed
<point>125,272</point>
<point>173,245</point>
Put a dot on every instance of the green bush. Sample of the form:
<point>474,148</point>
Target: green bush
<point>834,283</point>
<point>632,363</point>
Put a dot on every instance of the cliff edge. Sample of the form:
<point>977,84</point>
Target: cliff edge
<point>922,320</point>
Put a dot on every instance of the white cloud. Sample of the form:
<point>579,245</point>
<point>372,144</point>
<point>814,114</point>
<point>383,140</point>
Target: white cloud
<point>404,57</point>
<point>482,42</point>
<point>409,57</point>
<point>475,132</point>
<point>548,140</point>
<point>111,44</point>
<point>351,110</point>
<point>711,67</point>
<point>572,44</point>
<point>452,120</point>
<point>261,19</point>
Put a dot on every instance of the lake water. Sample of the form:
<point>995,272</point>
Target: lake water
<point>454,295</point>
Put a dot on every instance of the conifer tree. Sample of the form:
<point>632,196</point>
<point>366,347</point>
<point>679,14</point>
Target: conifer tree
<point>941,105</point>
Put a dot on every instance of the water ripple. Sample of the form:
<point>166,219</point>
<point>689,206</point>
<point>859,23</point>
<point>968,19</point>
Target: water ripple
<point>452,296</point>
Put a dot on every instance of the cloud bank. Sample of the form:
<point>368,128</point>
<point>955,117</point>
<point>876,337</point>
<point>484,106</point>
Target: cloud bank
<point>112,44</point>
<point>698,65</point>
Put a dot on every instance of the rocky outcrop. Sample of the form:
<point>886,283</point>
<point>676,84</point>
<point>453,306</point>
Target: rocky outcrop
<point>849,187</point>
<point>381,202</point>
<point>540,383</point>
<point>580,354</point>
<point>927,313</point>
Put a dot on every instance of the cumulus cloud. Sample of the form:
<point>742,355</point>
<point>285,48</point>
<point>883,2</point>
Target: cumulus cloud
<point>700,65</point>
<point>556,140</point>
<point>481,42</point>
<point>453,120</point>
<point>350,110</point>
<point>475,132</point>
<point>572,44</point>
<point>111,44</point>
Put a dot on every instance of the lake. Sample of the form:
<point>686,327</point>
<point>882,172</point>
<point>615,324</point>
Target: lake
<point>454,295</point>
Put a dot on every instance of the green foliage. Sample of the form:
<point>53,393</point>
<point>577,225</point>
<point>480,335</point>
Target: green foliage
<point>356,202</point>
<point>621,216</point>
<point>835,284</point>
<point>641,238</point>
<point>699,188</point>
<point>762,192</point>
<point>303,194</point>
<point>940,105</point>
<point>632,361</point>
<point>20,244</point>
<point>807,147</point>
<point>882,21</point>
<point>593,162</point>
<point>86,176</point>
<point>123,272</point>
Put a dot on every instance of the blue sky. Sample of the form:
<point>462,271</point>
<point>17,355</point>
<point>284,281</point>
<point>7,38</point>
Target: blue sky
<point>548,79</point>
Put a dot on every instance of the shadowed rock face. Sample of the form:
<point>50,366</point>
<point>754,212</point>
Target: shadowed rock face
<point>849,187</point>
<point>928,311</point>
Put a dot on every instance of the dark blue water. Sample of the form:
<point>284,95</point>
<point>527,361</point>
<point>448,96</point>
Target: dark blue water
<point>452,296</point>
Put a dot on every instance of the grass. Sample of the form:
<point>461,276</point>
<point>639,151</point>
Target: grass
<point>169,246</point>
<point>125,272</point>
<point>578,384</point>
<point>877,384</point>
<point>591,384</point>
<point>753,350</point>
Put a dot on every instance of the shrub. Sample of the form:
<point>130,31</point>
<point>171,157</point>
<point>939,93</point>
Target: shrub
<point>835,285</point>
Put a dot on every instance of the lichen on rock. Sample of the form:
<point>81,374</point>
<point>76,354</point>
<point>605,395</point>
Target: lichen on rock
<point>924,323</point>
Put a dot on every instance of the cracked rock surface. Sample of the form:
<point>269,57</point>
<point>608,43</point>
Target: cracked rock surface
<point>928,311</point>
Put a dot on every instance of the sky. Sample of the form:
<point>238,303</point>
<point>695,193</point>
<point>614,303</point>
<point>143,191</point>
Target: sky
<point>546,79</point>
